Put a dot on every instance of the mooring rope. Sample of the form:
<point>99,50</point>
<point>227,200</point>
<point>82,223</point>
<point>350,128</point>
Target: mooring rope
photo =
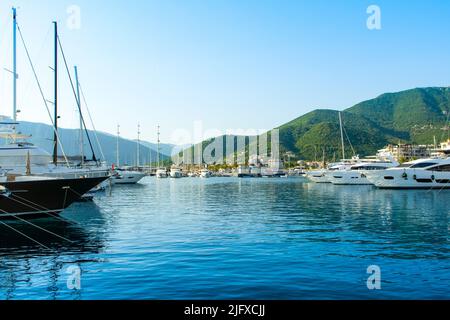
<point>43,229</point>
<point>23,234</point>
<point>55,216</point>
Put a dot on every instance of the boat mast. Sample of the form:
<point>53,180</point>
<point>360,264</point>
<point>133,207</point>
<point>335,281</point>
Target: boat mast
<point>157,155</point>
<point>138,145</point>
<point>55,137</point>
<point>14,64</point>
<point>342,136</point>
<point>117,147</point>
<point>81,119</point>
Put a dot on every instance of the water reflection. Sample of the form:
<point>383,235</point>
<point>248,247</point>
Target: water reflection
<point>31,264</point>
<point>236,238</point>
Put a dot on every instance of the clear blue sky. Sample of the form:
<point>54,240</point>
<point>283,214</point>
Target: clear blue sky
<point>233,64</point>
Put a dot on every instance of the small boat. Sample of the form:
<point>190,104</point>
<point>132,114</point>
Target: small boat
<point>123,176</point>
<point>161,173</point>
<point>176,173</point>
<point>205,173</point>
<point>243,172</point>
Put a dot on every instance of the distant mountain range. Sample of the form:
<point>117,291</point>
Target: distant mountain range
<point>42,136</point>
<point>413,116</point>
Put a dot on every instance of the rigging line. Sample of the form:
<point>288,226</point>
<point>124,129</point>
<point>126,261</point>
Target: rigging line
<point>350,143</point>
<point>23,234</point>
<point>76,99</point>
<point>42,207</point>
<point>92,122</point>
<point>43,229</point>
<point>42,93</point>
<point>32,205</point>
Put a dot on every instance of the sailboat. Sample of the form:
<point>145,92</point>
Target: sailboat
<point>13,155</point>
<point>24,194</point>
<point>161,172</point>
<point>123,175</point>
<point>324,175</point>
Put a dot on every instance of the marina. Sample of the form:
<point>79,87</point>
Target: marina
<point>119,199</point>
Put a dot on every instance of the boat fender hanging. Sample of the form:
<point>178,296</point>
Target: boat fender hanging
<point>4,192</point>
<point>405,175</point>
<point>433,177</point>
<point>415,177</point>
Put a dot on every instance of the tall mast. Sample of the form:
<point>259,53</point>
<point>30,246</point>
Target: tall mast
<point>138,145</point>
<point>157,155</point>
<point>342,135</point>
<point>117,147</point>
<point>81,119</point>
<point>55,137</point>
<point>14,64</point>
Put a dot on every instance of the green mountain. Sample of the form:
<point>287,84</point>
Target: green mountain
<point>413,116</point>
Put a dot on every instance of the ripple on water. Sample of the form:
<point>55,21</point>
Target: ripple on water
<point>237,239</point>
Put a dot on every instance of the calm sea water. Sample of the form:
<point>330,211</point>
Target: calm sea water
<point>225,238</point>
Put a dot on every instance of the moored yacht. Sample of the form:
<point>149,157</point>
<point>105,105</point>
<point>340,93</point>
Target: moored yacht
<point>19,157</point>
<point>15,156</point>
<point>325,175</point>
<point>176,173</point>
<point>205,173</point>
<point>432,173</point>
<point>123,176</point>
<point>32,196</point>
<point>356,174</point>
<point>161,173</point>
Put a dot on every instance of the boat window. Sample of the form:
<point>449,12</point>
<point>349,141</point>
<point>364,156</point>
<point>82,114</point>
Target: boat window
<point>442,168</point>
<point>370,168</point>
<point>423,165</point>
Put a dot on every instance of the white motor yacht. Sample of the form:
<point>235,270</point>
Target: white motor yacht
<point>176,173</point>
<point>432,173</point>
<point>161,173</point>
<point>205,173</point>
<point>124,176</point>
<point>356,174</point>
<point>325,175</point>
